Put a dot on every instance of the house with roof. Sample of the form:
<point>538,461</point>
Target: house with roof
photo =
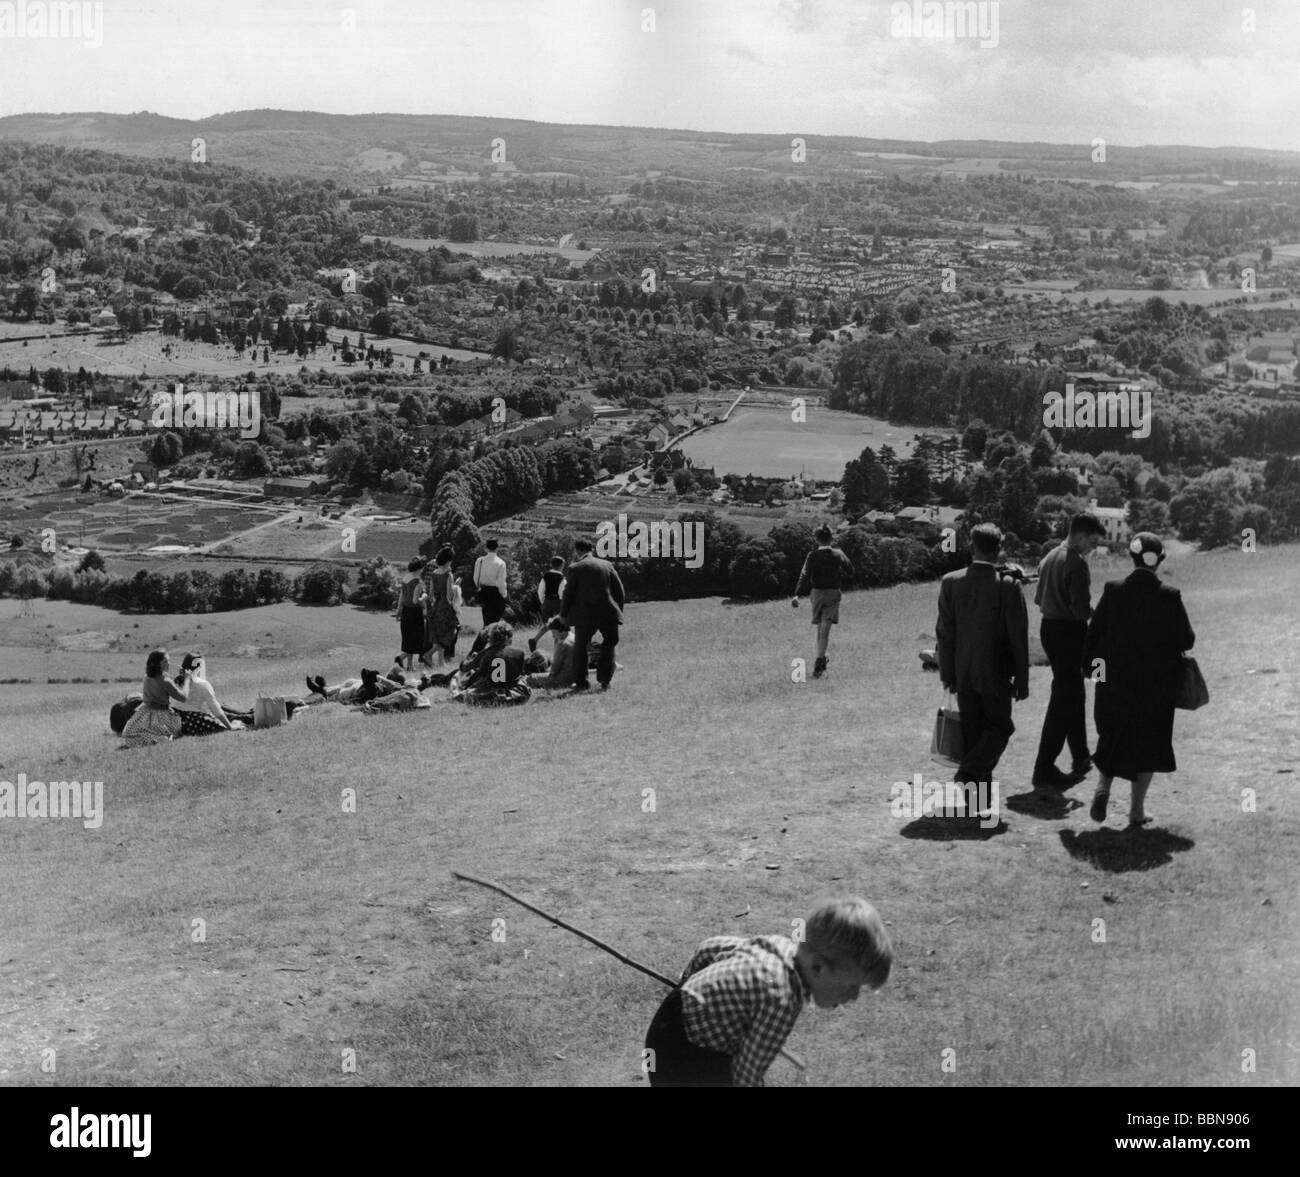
<point>106,318</point>
<point>1114,520</point>
<point>658,435</point>
<point>293,488</point>
<point>18,390</point>
<point>494,422</point>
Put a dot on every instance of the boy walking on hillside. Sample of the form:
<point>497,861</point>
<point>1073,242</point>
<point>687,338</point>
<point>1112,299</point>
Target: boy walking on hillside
<point>739,998</point>
<point>824,574</point>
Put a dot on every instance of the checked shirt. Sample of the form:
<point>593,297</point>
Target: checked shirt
<point>742,997</point>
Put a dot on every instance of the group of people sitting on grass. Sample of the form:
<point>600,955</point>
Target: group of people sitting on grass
<point>494,673</point>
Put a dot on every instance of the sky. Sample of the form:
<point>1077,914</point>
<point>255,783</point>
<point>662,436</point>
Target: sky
<point>1197,72</point>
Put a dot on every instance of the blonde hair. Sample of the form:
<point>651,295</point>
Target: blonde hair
<point>848,930</point>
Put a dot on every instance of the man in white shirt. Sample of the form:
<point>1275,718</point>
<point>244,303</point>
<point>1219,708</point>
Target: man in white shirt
<point>490,580</point>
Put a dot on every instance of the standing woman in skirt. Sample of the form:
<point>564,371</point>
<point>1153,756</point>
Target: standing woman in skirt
<point>1135,642</point>
<point>443,627</point>
<point>154,721</point>
<point>410,614</point>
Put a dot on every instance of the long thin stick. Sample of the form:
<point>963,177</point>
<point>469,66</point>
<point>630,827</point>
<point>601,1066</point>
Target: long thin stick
<point>614,952</point>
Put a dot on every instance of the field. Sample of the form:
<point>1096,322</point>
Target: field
<point>767,443</point>
<point>231,922</point>
<point>143,355</point>
<point>317,538</point>
<point>489,249</point>
<point>133,523</point>
<point>1205,298</point>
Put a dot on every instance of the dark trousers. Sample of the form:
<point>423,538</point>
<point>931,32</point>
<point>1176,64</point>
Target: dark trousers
<point>492,603</point>
<point>1064,721</point>
<point>985,729</point>
<point>677,1061</point>
<point>582,639</point>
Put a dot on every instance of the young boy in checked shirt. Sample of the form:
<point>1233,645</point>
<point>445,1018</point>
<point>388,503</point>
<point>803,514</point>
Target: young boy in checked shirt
<point>739,998</point>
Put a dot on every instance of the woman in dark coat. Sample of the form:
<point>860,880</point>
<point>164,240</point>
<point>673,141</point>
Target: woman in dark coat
<point>1133,651</point>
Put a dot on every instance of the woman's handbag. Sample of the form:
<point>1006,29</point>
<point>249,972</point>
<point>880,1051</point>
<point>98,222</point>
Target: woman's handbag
<point>1192,691</point>
<point>269,711</point>
<point>946,745</point>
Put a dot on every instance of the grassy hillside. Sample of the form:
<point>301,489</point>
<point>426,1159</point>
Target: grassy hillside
<point>327,930</point>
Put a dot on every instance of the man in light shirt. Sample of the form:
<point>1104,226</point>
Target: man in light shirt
<point>1064,596</point>
<point>490,580</point>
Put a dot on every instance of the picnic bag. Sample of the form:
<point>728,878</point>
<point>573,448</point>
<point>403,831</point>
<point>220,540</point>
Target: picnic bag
<point>269,711</point>
<point>1192,691</point>
<point>946,744</point>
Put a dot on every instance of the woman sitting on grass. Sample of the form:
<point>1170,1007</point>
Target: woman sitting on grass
<point>203,699</point>
<point>154,721</point>
<point>559,675</point>
<point>493,675</point>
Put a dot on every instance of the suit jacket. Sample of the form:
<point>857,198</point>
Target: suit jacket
<point>1140,630</point>
<point>983,632</point>
<point>593,594</point>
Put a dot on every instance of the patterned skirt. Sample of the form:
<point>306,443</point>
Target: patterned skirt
<point>151,725</point>
<point>197,723</point>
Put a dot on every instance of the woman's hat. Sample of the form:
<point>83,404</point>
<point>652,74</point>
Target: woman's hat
<point>1146,549</point>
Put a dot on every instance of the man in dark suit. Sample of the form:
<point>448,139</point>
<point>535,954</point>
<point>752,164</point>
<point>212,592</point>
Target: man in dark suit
<point>983,632</point>
<point>593,601</point>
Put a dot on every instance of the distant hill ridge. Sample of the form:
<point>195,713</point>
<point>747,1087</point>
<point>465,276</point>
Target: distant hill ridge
<point>330,145</point>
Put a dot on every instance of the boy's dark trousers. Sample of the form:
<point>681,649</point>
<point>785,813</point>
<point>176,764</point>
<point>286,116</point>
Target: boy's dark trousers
<point>1064,721</point>
<point>677,1061</point>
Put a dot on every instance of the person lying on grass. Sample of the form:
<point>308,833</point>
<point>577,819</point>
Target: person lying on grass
<point>739,997</point>
<point>371,686</point>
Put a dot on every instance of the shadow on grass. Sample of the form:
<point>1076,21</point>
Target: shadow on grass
<point>951,829</point>
<point>1044,804</point>
<point>1121,851</point>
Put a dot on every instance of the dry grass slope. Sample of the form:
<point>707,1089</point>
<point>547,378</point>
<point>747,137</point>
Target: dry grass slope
<point>327,930</point>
